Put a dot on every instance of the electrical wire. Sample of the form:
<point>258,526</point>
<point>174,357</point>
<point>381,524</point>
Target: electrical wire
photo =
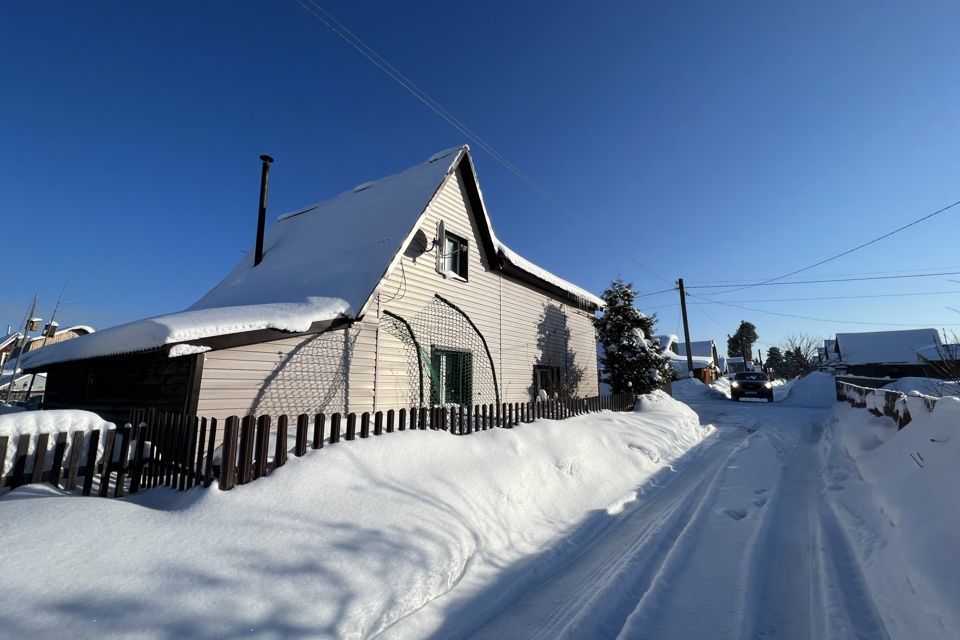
<point>876,295</point>
<point>856,248</point>
<point>655,293</point>
<point>800,317</point>
<point>769,283</point>
<point>381,63</point>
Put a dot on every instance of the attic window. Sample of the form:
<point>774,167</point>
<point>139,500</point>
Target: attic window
<point>455,256</point>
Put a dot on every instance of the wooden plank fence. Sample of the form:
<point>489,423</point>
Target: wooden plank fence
<point>181,451</point>
<point>885,402</point>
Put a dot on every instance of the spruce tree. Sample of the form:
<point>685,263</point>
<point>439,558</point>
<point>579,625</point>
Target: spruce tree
<point>630,360</point>
<point>741,342</point>
<point>775,361</point>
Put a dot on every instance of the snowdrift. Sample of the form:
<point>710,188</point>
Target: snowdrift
<point>815,389</point>
<point>15,424</point>
<point>926,386</point>
<point>897,491</point>
<point>351,541</point>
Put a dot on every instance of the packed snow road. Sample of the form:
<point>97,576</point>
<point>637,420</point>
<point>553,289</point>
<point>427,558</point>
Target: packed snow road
<point>739,544</point>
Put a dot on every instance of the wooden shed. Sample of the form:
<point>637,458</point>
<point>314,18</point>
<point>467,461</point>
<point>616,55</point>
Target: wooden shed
<point>395,293</point>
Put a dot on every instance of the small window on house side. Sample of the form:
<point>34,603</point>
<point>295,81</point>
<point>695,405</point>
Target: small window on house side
<point>455,256</point>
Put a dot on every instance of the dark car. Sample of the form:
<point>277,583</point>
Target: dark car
<point>751,384</point>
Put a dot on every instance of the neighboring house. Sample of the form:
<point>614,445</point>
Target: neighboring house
<point>702,349</point>
<point>704,358</point>
<point>7,344</point>
<point>394,294</point>
<point>25,386</point>
<point>882,354</point>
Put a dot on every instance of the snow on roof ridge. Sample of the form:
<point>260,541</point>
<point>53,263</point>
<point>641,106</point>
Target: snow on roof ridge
<point>547,276</point>
<point>363,186</point>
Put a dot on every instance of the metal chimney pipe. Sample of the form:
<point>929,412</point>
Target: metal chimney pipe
<point>262,216</point>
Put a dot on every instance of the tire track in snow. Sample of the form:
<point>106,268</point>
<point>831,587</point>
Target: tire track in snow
<point>618,570</point>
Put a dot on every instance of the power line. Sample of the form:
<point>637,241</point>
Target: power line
<point>735,283</point>
<point>876,295</point>
<point>856,248</point>
<point>655,293</point>
<point>770,283</point>
<point>381,63</point>
<point>799,317</point>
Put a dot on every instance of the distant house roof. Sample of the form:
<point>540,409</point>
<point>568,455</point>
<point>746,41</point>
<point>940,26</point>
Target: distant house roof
<point>320,264</point>
<point>9,339</point>
<point>700,348</point>
<point>884,347</point>
<point>938,352</point>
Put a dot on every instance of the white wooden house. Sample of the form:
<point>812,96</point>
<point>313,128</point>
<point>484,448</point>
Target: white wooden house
<point>396,293</point>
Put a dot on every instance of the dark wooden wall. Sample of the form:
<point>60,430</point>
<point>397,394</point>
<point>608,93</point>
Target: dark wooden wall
<point>111,386</point>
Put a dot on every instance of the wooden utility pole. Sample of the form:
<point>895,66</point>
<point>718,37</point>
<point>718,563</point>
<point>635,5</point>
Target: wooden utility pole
<point>760,357</point>
<point>686,327</point>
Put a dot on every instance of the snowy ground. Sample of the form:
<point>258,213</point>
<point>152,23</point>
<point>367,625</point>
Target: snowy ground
<point>346,542</point>
<point>803,518</point>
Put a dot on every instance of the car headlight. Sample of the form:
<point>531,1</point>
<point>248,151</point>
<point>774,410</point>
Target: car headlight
<point>769,385</point>
<point>734,384</point>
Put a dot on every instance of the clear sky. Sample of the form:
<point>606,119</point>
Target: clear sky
<point>730,141</point>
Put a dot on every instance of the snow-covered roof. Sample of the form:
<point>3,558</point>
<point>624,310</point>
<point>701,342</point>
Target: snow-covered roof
<point>9,339</point>
<point>936,352</point>
<point>151,333</point>
<point>679,363</point>
<point>700,348</point>
<point>319,263</point>
<point>877,347</point>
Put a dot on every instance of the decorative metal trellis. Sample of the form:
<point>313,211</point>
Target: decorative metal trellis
<point>448,360</point>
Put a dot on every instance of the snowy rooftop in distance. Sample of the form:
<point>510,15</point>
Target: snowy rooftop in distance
<point>885,346</point>
<point>319,262</point>
<point>700,348</point>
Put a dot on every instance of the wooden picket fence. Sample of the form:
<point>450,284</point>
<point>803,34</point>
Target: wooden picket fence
<point>182,451</point>
<point>885,402</point>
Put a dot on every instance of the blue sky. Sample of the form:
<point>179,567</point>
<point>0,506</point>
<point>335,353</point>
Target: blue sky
<point>713,141</point>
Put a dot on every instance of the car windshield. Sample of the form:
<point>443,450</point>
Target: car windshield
<point>751,375</point>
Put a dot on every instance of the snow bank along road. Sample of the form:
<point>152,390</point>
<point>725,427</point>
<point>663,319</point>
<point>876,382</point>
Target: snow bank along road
<point>739,544</point>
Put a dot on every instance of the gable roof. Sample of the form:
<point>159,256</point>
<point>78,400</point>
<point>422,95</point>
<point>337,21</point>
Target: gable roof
<point>321,264</point>
<point>876,347</point>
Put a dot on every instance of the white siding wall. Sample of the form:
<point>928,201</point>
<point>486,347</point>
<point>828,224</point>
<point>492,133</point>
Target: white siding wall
<point>522,327</point>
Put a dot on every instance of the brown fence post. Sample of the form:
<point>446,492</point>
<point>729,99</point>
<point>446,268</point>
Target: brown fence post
<point>20,461</point>
<point>351,426</point>
<point>245,461</point>
<point>91,466</point>
<point>124,455</point>
<point>476,418</point>
<point>422,422</point>
<point>3,459</point>
<point>136,468</point>
<point>261,463</point>
<point>39,458</point>
<point>59,448</point>
<point>402,420</point>
<point>378,423</point>
<point>76,448</point>
<point>391,416</point>
<point>318,425</point>
<point>211,440</point>
<point>335,428</point>
<point>107,462</point>
<point>365,424</point>
<point>228,457</point>
<point>280,447</point>
<point>303,422</point>
<point>196,478</point>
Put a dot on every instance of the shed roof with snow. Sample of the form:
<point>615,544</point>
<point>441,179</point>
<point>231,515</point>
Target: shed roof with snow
<point>701,348</point>
<point>321,264</point>
<point>884,347</point>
